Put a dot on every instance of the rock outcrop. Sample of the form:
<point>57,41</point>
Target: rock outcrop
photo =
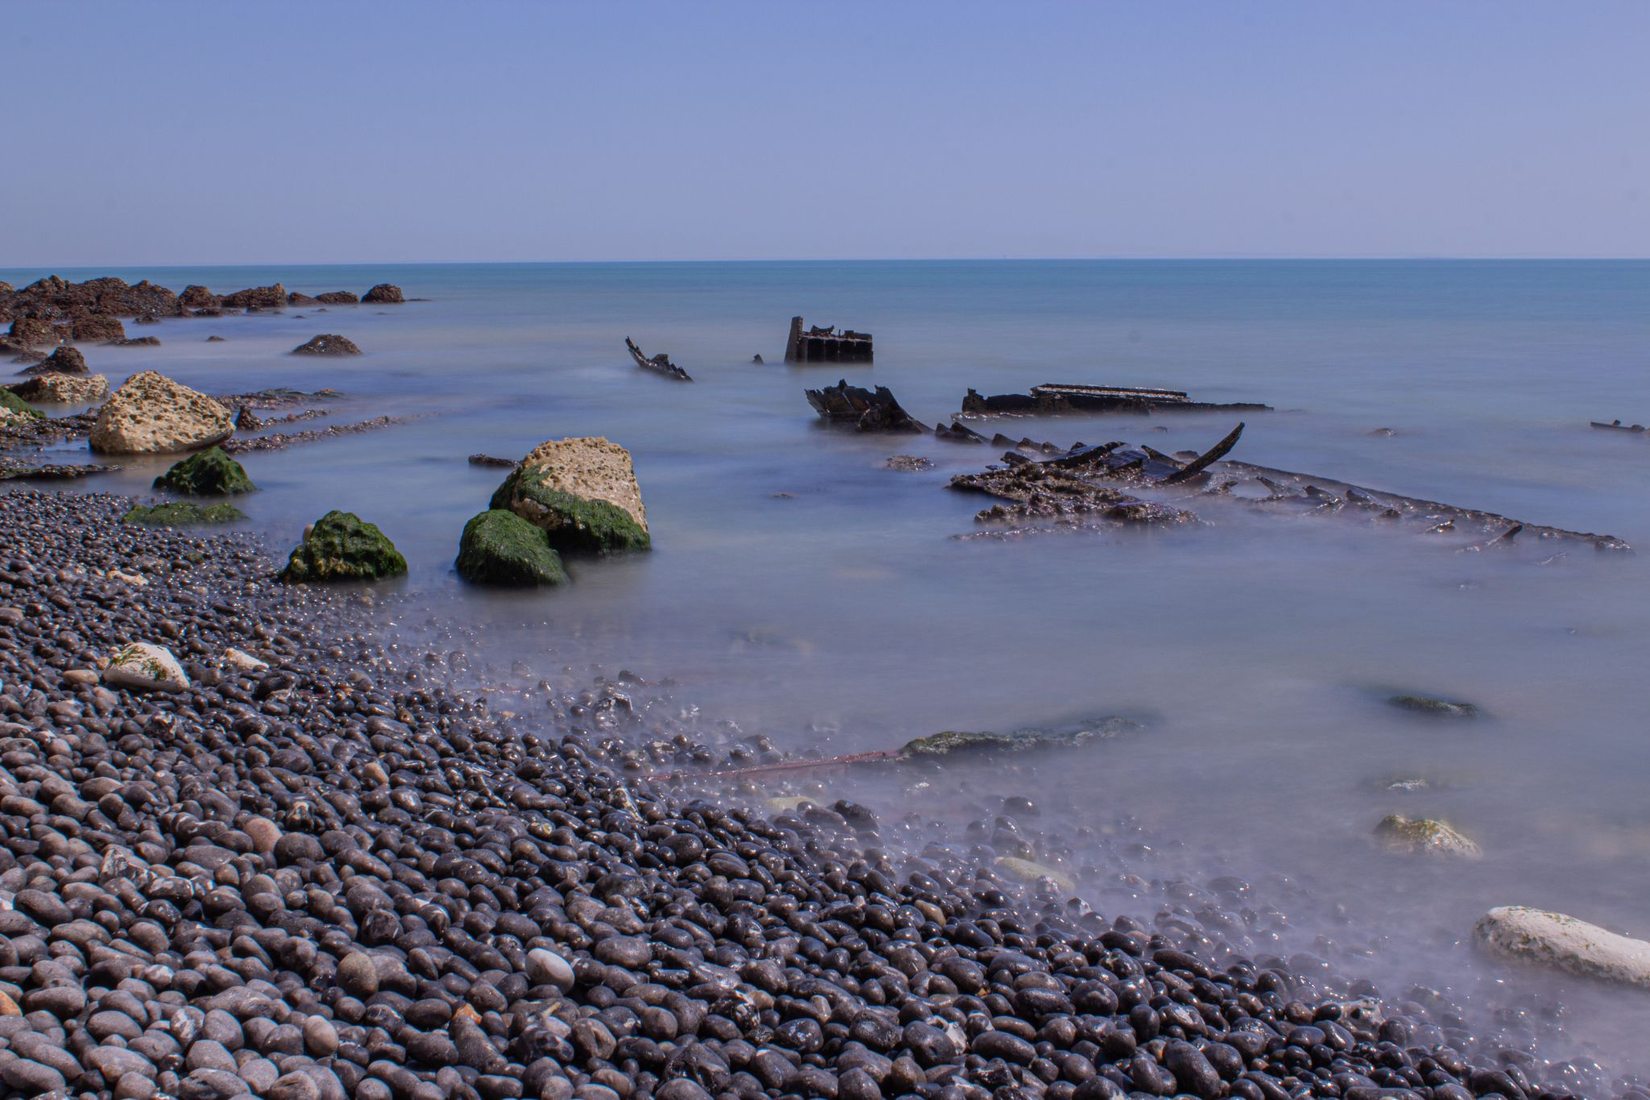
<point>91,328</point>
<point>144,667</point>
<point>294,298</point>
<point>57,388</point>
<point>338,298</point>
<point>65,360</point>
<point>500,548</point>
<point>1561,941</point>
<point>197,297</point>
<point>33,332</point>
<point>340,546</point>
<point>383,294</point>
<point>256,297</point>
<point>152,414</point>
<point>211,473</point>
<point>327,344</point>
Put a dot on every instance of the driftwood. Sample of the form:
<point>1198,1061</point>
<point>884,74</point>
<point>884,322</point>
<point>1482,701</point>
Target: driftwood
<point>867,410</point>
<point>826,345</point>
<point>1053,399</point>
<point>658,364</point>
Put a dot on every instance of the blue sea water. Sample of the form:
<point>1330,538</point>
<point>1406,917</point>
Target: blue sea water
<point>801,589</point>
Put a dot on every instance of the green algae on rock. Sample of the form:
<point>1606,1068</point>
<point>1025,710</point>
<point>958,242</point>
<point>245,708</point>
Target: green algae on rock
<point>573,524</point>
<point>500,548</point>
<point>211,473</point>
<point>12,406</point>
<point>182,513</point>
<point>341,546</point>
<point>952,741</point>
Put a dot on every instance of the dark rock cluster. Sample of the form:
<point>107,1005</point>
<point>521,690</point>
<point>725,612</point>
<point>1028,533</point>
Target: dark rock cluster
<point>318,873</point>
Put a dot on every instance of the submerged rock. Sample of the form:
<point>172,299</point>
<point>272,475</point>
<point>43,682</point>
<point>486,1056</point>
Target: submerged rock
<point>327,344</point>
<point>500,548</point>
<point>947,742</point>
<point>1424,836</point>
<point>145,667</point>
<point>1434,707</point>
<point>383,294</point>
<point>182,513</point>
<point>151,414</point>
<point>211,473</point>
<point>1030,871</point>
<point>1561,941</point>
<point>909,463</point>
<point>340,546</point>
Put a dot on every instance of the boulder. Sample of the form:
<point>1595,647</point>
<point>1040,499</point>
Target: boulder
<point>96,328</point>
<point>14,408</point>
<point>338,298</point>
<point>296,299</point>
<point>1557,940</point>
<point>33,331</point>
<point>582,492</point>
<point>197,297</point>
<point>340,546</point>
<point>144,667</point>
<point>257,297</point>
<point>151,414</point>
<point>502,549</point>
<point>182,513</point>
<point>1424,836</point>
<point>56,388</point>
<point>211,473</point>
<point>327,344</point>
<point>383,294</point>
<point>241,659</point>
<point>65,360</point>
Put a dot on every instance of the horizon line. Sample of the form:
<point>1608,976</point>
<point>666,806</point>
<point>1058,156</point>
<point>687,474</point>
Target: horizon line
<point>1261,258</point>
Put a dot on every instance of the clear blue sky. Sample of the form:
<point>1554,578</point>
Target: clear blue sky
<point>155,133</point>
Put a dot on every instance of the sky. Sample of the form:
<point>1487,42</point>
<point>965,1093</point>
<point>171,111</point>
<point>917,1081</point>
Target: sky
<point>193,133</point>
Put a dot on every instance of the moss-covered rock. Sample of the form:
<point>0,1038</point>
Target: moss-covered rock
<point>340,546</point>
<point>14,407</point>
<point>947,742</point>
<point>182,513</point>
<point>573,524</point>
<point>211,473</point>
<point>500,548</point>
<point>1424,836</point>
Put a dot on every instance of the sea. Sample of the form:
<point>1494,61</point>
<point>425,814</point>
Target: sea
<point>801,590</point>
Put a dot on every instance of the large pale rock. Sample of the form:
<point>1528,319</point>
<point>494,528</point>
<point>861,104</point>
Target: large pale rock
<point>57,388</point>
<point>592,468</point>
<point>151,414</point>
<point>1557,940</point>
<point>145,667</point>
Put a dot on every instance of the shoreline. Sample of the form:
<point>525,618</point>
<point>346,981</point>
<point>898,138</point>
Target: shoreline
<point>337,878</point>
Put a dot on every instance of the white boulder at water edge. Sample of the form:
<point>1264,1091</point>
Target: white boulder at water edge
<point>151,414</point>
<point>1557,940</point>
<point>144,667</point>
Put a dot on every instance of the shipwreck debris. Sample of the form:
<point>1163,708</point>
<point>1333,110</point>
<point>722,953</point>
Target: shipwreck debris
<point>868,410</point>
<point>826,345</point>
<point>658,364</point>
<point>1617,426</point>
<point>1053,399</point>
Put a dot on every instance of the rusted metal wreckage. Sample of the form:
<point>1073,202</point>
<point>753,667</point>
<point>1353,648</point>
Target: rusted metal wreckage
<point>658,364</point>
<point>1052,399</point>
<point>826,345</point>
<point>1042,488</point>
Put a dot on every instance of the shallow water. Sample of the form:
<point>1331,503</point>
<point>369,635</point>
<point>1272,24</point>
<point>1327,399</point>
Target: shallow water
<point>800,589</point>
